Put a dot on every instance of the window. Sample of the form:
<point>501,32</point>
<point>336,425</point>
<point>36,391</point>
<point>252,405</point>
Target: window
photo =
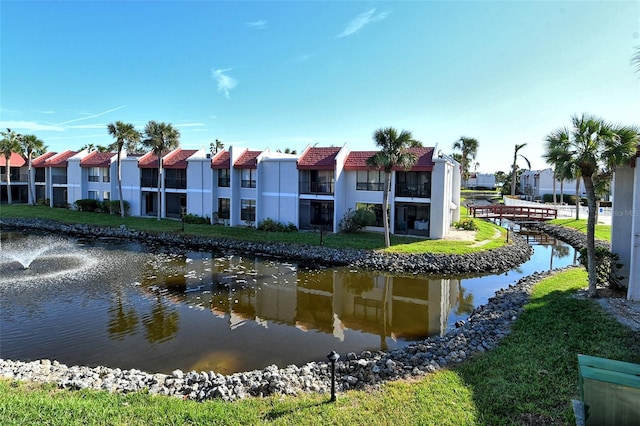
<point>40,174</point>
<point>94,195</point>
<point>176,178</point>
<point>248,210</point>
<point>94,175</point>
<point>376,208</point>
<point>224,208</point>
<point>224,178</point>
<point>249,178</point>
<point>413,184</point>
<point>149,178</point>
<point>370,180</point>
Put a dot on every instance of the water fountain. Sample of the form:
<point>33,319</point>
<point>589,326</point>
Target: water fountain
<point>24,259</point>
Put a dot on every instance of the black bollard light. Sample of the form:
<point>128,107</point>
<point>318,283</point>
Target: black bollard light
<point>333,357</point>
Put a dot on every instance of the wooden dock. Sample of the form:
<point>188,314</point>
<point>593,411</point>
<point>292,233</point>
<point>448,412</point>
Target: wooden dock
<point>514,213</point>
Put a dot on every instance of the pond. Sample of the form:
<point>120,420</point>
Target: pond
<point>131,305</point>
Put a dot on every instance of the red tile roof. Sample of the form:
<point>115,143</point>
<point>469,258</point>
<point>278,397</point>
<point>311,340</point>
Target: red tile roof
<point>16,160</point>
<point>59,160</point>
<point>148,161</point>
<point>97,159</point>
<point>318,159</point>
<point>357,160</point>
<point>247,160</point>
<point>222,160</point>
<point>178,159</point>
<point>41,160</point>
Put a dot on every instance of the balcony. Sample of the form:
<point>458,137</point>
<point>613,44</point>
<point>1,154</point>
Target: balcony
<point>370,186</point>
<point>175,183</point>
<point>318,188</point>
<point>418,191</point>
<point>149,182</point>
<point>59,179</point>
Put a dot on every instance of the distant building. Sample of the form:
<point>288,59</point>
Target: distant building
<point>481,181</point>
<point>534,184</point>
<point>242,187</point>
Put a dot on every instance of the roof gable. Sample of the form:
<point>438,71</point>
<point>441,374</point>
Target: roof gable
<point>41,160</point>
<point>222,160</point>
<point>357,160</point>
<point>59,160</point>
<point>248,160</point>
<point>15,160</point>
<point>319,159</point>
<point>97,159</point>
<point>178,159</point>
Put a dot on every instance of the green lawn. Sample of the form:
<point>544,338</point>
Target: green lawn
<point>529,379</point>
<point>603,232</point>
<point>357,240</point>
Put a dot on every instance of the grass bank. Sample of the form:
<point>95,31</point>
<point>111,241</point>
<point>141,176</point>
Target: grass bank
<point>529,379</point>
<point>357,240</point>
<point>603,232</point>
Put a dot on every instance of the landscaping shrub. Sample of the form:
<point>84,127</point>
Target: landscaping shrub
<point>113,207</point>
<point>607,266</point>
<point>194,218</point>
<point>87,205</point>
<point>270,225</point>
<point>355,220</point>
<point>467,224</point>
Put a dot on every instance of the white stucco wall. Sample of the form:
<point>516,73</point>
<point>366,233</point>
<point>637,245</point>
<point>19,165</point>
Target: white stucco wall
<point>199,185</point>
<point>277,189</point>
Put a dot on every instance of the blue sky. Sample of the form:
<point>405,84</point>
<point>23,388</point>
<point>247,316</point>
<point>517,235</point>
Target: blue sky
<point>281,74</point>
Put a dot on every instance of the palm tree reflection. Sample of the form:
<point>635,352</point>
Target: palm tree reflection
<point>161,324</point>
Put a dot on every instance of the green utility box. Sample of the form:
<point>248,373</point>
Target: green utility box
<point>610,391</point>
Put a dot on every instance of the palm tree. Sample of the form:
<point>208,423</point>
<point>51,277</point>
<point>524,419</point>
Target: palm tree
<point>515,166</point>
<point>593,146</point>
<point>394,152</point>
<point>127,137</point>
<point>216,146</point>
<point>31,145</point>
<point>469,148</point>
<point>9,144</point>
<point>160,137</point>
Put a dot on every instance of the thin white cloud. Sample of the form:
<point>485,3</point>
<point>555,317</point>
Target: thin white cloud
<point>89,116</point>
<point>302,58</point>
<point>30,126</point>
<point>361,21</point>
<point>189,124</point>
<point>260,24</point>
<point>225,83</point>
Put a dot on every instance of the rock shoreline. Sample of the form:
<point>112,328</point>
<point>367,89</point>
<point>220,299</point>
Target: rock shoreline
<point>483,330</point>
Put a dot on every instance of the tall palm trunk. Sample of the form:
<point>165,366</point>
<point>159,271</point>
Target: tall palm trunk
<point>120,182</point>
<point>31,199</point>
<point>9,197</point>
<point>591,226</point>
<point>385,207</point>
<point>577,198</point>
<point>555,200</point>
<point>159,184</point>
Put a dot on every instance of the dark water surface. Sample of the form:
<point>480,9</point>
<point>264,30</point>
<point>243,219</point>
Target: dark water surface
<point>130,305</point>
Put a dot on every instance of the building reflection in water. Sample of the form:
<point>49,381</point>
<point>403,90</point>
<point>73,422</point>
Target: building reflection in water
<point>327,300</point>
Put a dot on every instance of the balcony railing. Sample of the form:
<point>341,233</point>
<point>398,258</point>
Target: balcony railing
<point>94,178</point>
<point>14,177</point>
<point>307,187</point>
<point>146,182</point>
<point>224,182</point>
<point>175,183</point>
<point>370,186</point>
<point>248,183</point>
<point>420,191</point>
<point>59,179</point>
